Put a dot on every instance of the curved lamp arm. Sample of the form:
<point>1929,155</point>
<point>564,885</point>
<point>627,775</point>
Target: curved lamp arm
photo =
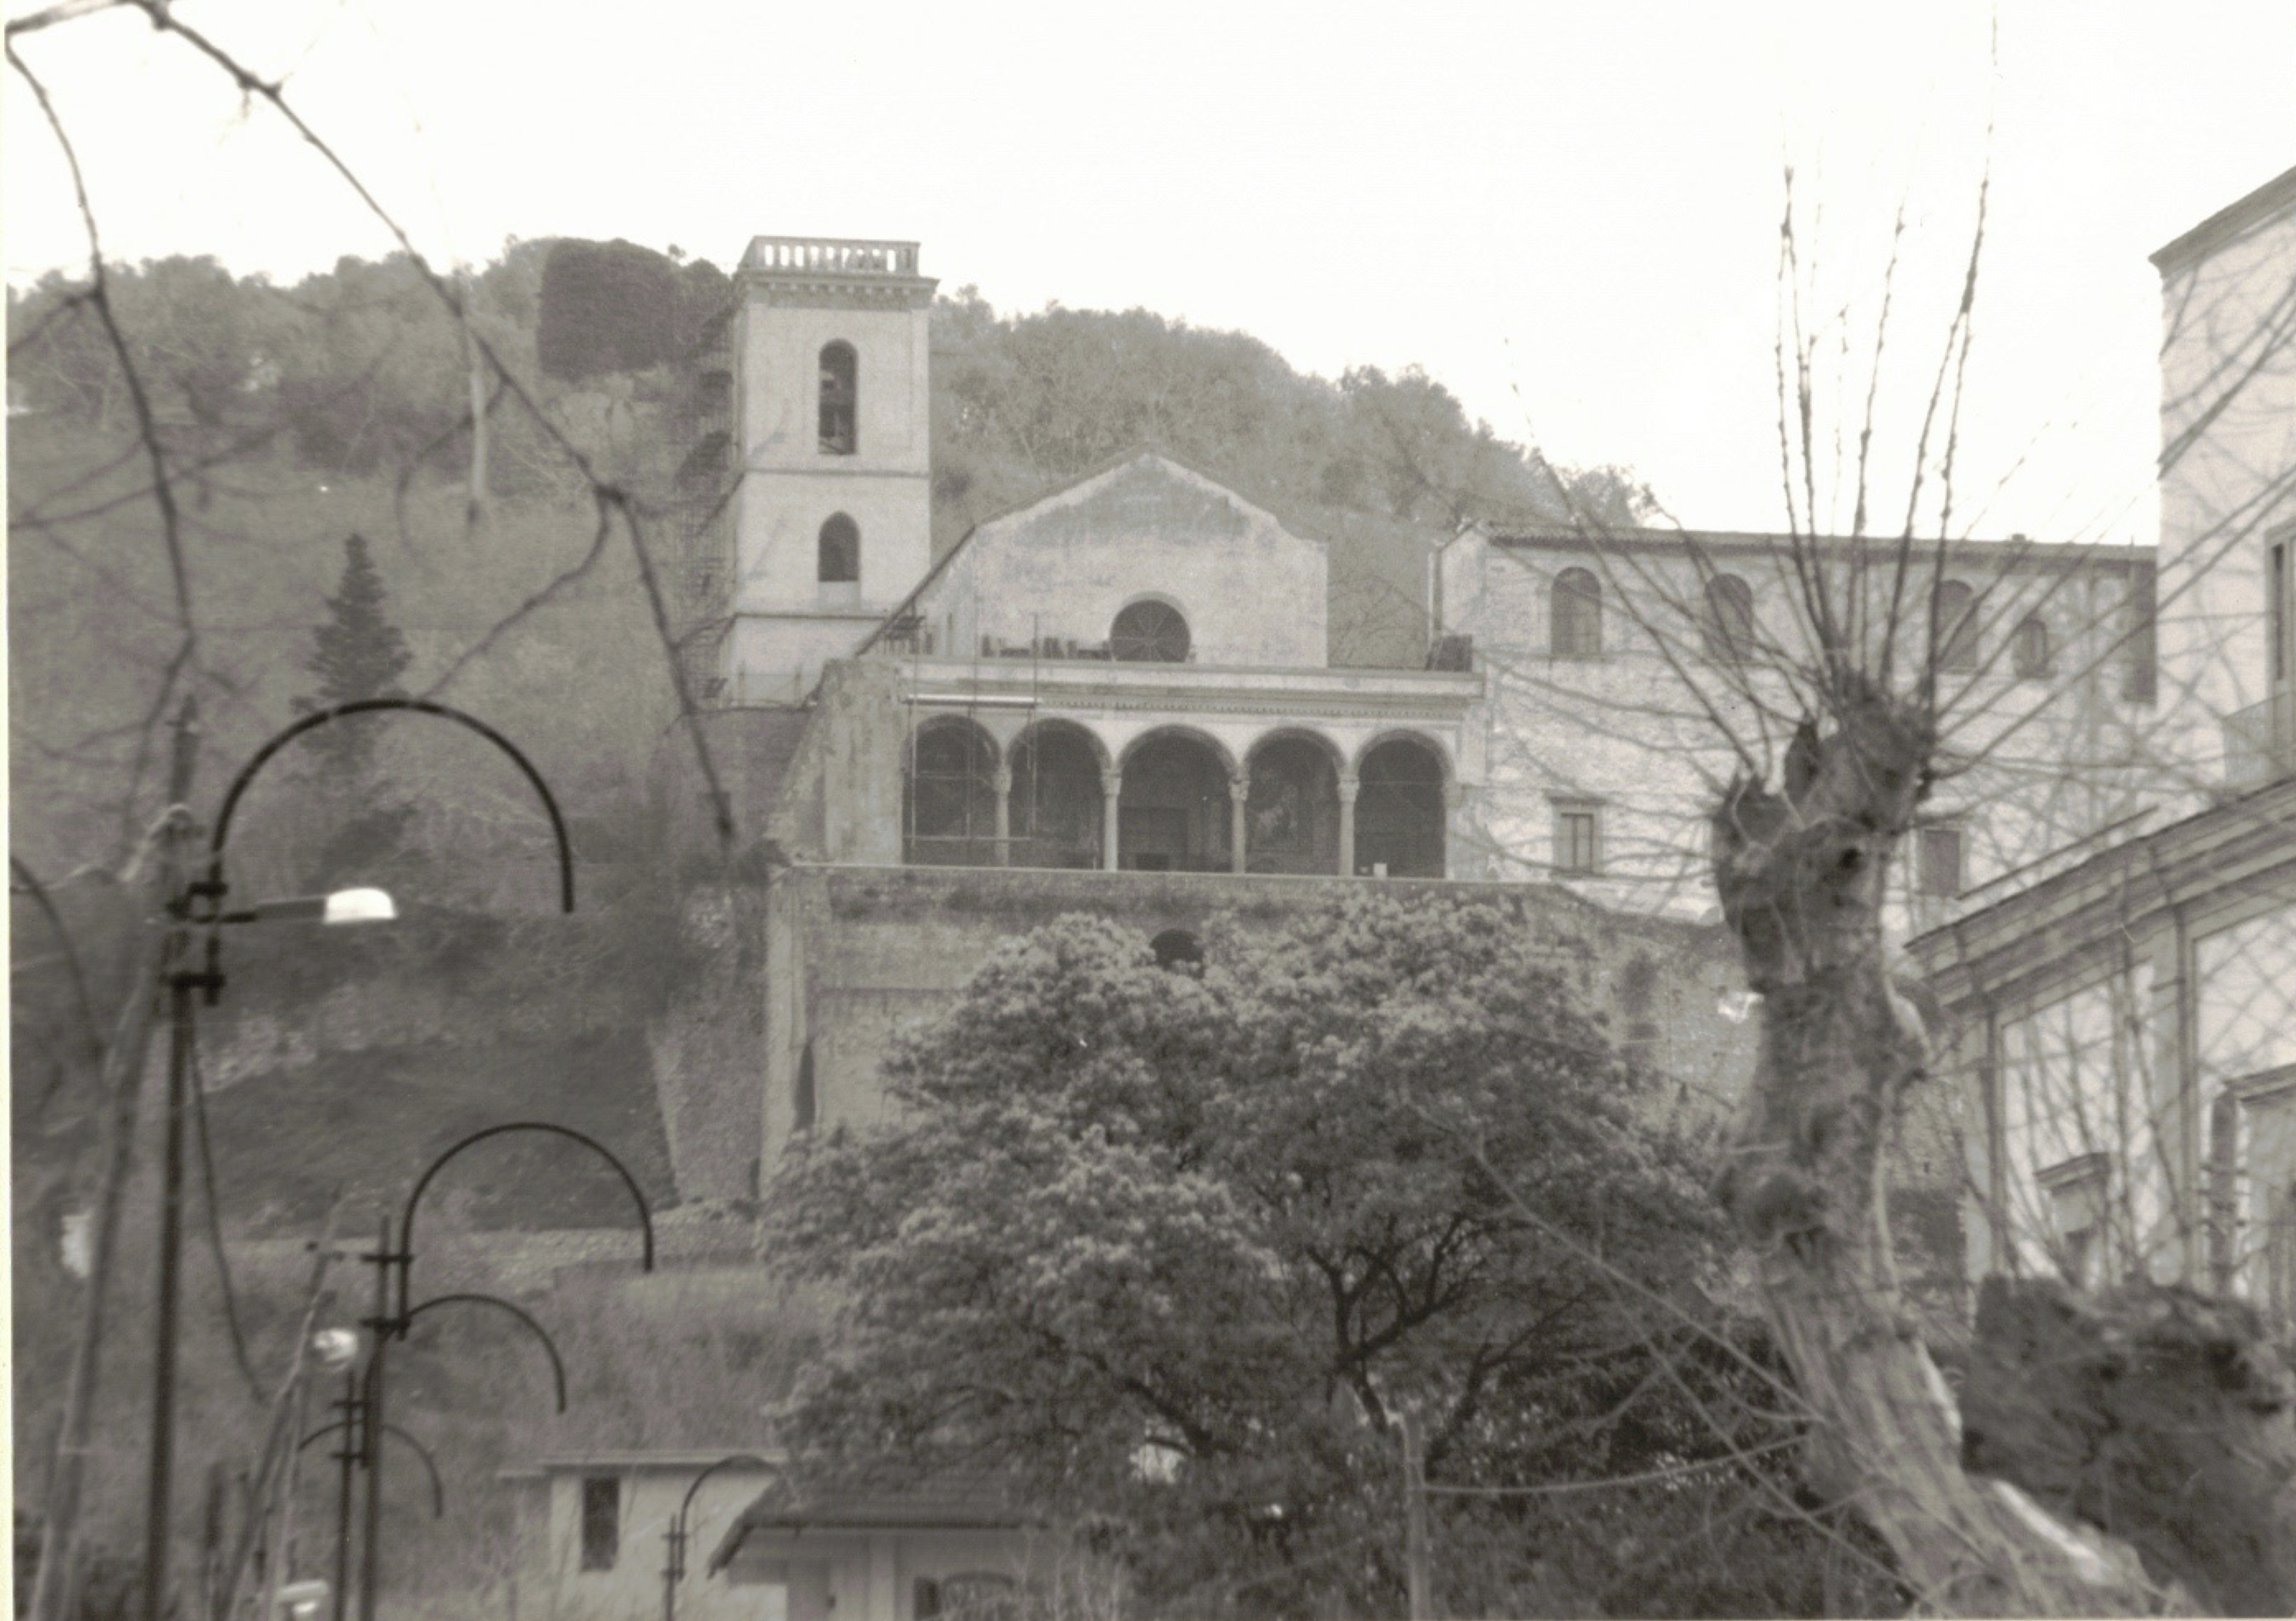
<point>549,1345</point>
<point>406,1257</point>
<point>713,1468</point>
<point>365,706</point>
<point>677,1526</point>
<point>438,1487</point>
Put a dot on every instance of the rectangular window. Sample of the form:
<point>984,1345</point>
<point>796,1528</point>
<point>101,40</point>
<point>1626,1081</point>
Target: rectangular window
<point>2281,610</point>
<point>1579,838</point>
<point>602,1521</point>
<point>2077,1193</point>
<point>1937,864</point>
<point>2140,678</point>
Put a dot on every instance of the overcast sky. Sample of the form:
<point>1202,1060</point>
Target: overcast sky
<point>1567,215</point>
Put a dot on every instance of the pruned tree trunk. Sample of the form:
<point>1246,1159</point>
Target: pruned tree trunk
<point>1800,870</point>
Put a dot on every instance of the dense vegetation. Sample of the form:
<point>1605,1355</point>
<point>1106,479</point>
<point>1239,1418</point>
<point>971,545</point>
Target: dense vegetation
<point>1177,1246</point>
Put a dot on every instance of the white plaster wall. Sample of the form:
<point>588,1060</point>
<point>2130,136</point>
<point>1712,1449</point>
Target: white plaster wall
<point>2228,492</point>
<point>633,1587</point>
<point>2246,1006</point>
<point>1253,592</point>
<point>2077,1079</point>
<point>780,350</point>
<point>1643,729</point>
<point>788,488</point>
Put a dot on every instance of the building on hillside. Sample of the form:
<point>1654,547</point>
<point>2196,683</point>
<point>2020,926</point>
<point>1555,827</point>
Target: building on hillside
<point>1138,675</point>
<point>2121,1017</point>
<point>1624,670</point>
<point>2228,489</point>
<point>593,1531</point>
<point>954,1549</point>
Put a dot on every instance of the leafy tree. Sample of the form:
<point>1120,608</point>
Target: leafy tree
<point>616,307</point>
<point>1177,1244</point>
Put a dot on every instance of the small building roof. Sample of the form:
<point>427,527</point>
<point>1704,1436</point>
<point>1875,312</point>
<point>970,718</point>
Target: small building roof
<point>2018,552</point>
<point>964,1503</point>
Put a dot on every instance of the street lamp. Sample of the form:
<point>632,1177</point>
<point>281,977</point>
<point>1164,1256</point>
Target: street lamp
<point>674,1569</point>
<point>394,1316</point>
<point>347,906</point>
<point>200,905</point>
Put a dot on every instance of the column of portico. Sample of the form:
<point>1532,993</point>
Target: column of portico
<point>1111,784</point>
<point>1239,799</point>
<point>1002,780</point>
<point>1455,801</point>
<point>1347,786</point>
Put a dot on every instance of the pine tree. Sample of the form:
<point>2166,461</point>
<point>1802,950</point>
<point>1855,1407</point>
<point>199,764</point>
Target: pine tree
<point>356,653</point>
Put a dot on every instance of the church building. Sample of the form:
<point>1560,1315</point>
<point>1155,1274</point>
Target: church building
<point>1122,696</point>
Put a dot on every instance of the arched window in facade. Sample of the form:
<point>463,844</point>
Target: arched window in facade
<point>2029,648</point>
<point>1149,632</point>
<point>950,812</point>
<point>841,399</point>
<point>1956,625</point>
<point>1574,615</point>
<point>839,551</point>
<point>1729,618</point>
<point>1400,810</point>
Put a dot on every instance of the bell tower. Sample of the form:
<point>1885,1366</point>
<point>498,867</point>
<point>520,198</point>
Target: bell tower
<point>833,417</point>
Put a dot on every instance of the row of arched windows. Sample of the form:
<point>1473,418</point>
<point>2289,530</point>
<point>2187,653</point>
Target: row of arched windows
<point>1727,626</point>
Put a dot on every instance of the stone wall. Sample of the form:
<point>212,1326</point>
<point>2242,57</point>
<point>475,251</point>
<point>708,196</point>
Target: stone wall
<point>856,954</point>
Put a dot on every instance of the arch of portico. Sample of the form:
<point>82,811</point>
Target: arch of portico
<point>952,806</point>
<point>1298,807</point>
<point>1404,790</point>
<point>1177,803</point>
<point>1216,793</point>
<point>1055,791</point>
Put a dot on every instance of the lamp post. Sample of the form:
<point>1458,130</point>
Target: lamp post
<point>673,1569</point>
<point>199,904</point>
<point>345,906</point>
<point>394,1316</point>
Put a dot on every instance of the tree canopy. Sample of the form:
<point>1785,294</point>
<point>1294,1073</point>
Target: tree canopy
<point>1178,1244</point>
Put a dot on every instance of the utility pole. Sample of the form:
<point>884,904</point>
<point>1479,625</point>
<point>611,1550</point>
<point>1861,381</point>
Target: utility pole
<point>53,1591</point>
<point>1414,1517</point>
<point>384,1325</point>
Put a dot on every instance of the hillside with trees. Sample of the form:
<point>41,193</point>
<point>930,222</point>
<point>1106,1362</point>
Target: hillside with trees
<point>354,402</point>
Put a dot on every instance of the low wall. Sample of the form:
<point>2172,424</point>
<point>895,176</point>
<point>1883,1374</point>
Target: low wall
<point>858,953</point>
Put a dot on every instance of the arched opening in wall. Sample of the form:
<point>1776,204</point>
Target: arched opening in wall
<point>1729,623</point>
<point>1574,615</point>
<point>1955,608</point>
<point>1149,632</point>
<point>2029,648</point>
<point>1173,811</point>
<point>841,399</point>
<point>1177,949</point>
<point>949,802</point>
<point>1400,810</point>
<point>839,552</point>
<point>1291,819</point>
<point>802,1106</point>
<point>1056,808</point>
